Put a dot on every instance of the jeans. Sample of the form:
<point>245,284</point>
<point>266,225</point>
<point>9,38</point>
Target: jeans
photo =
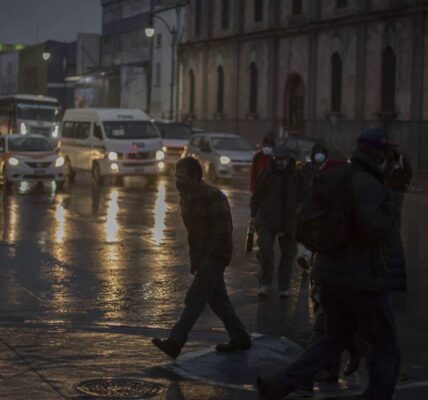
<point>208,287</point>
<point>348,312</point>
<point>266,240</point>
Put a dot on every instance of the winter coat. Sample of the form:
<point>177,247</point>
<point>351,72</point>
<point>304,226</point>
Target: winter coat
<point>374,259</point>
<point>206,215</point>
<point>275,199</point>
<point>308,171</point>
<point>260,162</point>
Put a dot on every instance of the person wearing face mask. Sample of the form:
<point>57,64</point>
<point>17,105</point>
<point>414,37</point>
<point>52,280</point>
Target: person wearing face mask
<point>318,157</point>
<point>206,215</point>
<point>273,211</point>
<point>262,158</point>
<point>356,281</point>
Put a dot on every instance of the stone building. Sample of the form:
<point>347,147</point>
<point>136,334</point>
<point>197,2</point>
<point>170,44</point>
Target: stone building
<point>323,68</point>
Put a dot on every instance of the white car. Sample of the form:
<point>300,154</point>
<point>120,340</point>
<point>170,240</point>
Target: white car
<point>29,158</point>
<point>222,155</point>
<point>175,136</point>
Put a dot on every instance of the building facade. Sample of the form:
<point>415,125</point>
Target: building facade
<point>320,68</point>
<point>170,25</point>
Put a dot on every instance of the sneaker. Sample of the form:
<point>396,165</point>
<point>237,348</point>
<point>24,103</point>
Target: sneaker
<point>283,294</point>
<point>234,346</point>
<point>169,347</point>
<point>326,376</point>
<point>263,290</point>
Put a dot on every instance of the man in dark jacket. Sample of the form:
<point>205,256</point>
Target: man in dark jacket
<point>355,284</point>
<point>274,211</point>
<point>206,214</point>
<point>318,157</point>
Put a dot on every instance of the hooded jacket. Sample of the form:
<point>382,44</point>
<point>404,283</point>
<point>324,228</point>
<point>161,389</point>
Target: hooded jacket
<point>374,258</point>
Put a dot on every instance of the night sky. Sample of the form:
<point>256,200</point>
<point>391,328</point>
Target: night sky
<point>57,19</point>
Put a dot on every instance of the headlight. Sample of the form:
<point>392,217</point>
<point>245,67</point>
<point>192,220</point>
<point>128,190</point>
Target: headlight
<point>224,160</point>
<point>113,156</point>
<point>55,131</point>
<point>13,161</point>
<point>23,129</point>
<point>59,162</point>
<point>160,155</point>
<point>164,149</point>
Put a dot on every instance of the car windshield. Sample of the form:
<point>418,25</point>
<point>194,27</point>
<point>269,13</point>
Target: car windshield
<point>20,144</point>
<point>174,131</point>
<point>130,130</point>
<point>37,112</point>
<point>232,144</point>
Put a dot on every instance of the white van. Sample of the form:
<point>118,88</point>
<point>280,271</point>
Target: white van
<point>110,142</point>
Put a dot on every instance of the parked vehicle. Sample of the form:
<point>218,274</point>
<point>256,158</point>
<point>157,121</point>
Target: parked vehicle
<point>110,142</point>
<point>28,114</point>
<point>175,136</point>
<point>29,158</point>
<point>222,155</point>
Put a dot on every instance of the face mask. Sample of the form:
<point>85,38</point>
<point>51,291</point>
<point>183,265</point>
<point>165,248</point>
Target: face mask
<point>319,158</point>
<point>267,151</point>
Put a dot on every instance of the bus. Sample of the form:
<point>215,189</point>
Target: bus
<point>29,114</point>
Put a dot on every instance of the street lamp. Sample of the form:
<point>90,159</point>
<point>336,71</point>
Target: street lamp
<point>150,32</point>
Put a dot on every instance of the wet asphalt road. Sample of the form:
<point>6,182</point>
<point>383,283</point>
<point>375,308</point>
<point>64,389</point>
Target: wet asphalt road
<point>117,256</point>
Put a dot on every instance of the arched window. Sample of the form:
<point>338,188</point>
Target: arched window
<point>294,104</point>
<point>297,7</point>
<point>254,88</point>
<point>220,90</point>
<point>191,92</point>
<point>225,14</point>
<point>336,83</point>
<point>258,10</point>
<point>389,65</point>
<point>198,17</point>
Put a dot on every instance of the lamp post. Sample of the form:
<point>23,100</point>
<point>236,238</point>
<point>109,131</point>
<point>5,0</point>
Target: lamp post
<point>150,33</point>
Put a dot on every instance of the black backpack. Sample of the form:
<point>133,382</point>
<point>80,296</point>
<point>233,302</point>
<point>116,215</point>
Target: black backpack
<point>325,221</point>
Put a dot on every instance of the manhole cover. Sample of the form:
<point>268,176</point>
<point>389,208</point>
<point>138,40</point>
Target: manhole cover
<point>119,388</point>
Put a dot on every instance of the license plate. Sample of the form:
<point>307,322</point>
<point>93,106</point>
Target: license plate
<point>39,172</point>
<point>140,170</point>
<point>244,169</point>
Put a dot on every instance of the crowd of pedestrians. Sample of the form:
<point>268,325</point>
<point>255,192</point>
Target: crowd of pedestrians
<point>341,217</point>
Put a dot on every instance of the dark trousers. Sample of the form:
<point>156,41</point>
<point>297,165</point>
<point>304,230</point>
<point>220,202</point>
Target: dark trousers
<point>208,287</point>
<point>348,312</point>
<point>266,240</point>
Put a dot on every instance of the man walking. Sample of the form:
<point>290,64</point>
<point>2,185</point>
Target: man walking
<point>273,210</point>
<point>355,283</point>
<point>206,214</point>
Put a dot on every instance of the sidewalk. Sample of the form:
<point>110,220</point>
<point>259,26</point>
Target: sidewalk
<point>48,362</point>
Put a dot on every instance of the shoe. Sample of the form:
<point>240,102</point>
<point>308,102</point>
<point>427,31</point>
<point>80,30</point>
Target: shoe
<point>303,263</point>
<point>283,294</point>
<point>352,365</point>
<point>268,392</point>
<point>169,347</point>
<point>263,290</point>
<point>326,376</point>
<point>302,393</point>
<point>234,346</point>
